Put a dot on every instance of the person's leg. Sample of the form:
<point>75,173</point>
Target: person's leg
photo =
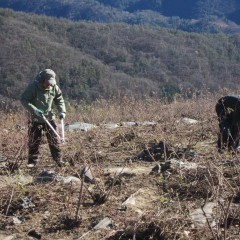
<point>222,136</point>
<point>34,138</point>
<point>236,130</point>
<point>54,144</point>
<point>225,140</point>
<point>238,136</point>
<point>235,136</point>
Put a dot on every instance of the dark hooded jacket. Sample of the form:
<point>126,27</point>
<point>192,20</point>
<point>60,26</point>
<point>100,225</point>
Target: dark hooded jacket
<point>228,112</point>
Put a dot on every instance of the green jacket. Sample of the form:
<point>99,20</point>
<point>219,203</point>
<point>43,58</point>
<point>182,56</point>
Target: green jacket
<point>34,97</point>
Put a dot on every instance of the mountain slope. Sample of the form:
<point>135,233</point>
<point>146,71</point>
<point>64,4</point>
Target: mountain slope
<point>95,60</point>
<point>163,13</point>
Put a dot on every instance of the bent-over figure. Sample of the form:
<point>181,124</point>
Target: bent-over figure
<point>228,112</point>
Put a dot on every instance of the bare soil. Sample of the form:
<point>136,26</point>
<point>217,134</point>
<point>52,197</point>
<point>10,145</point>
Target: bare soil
<point>140,203</point>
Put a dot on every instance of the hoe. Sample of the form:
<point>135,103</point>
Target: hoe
<point>62,139</point>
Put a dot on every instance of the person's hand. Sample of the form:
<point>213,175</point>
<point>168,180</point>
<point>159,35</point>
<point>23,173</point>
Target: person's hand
<point>38,112</point>
<point>62,115</point>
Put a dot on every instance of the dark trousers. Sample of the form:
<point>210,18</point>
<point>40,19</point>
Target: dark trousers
<point>228,112</point>
<point>35,134</point>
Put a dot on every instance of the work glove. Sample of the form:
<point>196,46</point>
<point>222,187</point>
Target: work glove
<point>62,115</point>
<point>38,112</point>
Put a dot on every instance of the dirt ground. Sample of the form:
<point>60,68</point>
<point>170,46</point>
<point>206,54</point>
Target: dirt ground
<point>144,181</point>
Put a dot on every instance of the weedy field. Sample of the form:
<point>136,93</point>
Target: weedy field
<point>145,171</point>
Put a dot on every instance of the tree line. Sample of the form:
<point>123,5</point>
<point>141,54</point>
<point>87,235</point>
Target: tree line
<point>192,16</point>
<point>94,60</point>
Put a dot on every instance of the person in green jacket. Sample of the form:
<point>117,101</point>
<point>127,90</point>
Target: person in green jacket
<point>38,98</point>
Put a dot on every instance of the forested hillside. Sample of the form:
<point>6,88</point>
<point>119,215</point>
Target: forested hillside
<point>188,15</point>
<point>95,60</point>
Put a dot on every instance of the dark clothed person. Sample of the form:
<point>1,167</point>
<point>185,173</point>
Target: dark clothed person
<point>228,112</point>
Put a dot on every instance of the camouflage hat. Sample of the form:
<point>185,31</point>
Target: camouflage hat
<point>49,75</point>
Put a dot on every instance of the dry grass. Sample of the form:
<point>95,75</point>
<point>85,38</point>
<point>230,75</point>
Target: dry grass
<point>68,211</point>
